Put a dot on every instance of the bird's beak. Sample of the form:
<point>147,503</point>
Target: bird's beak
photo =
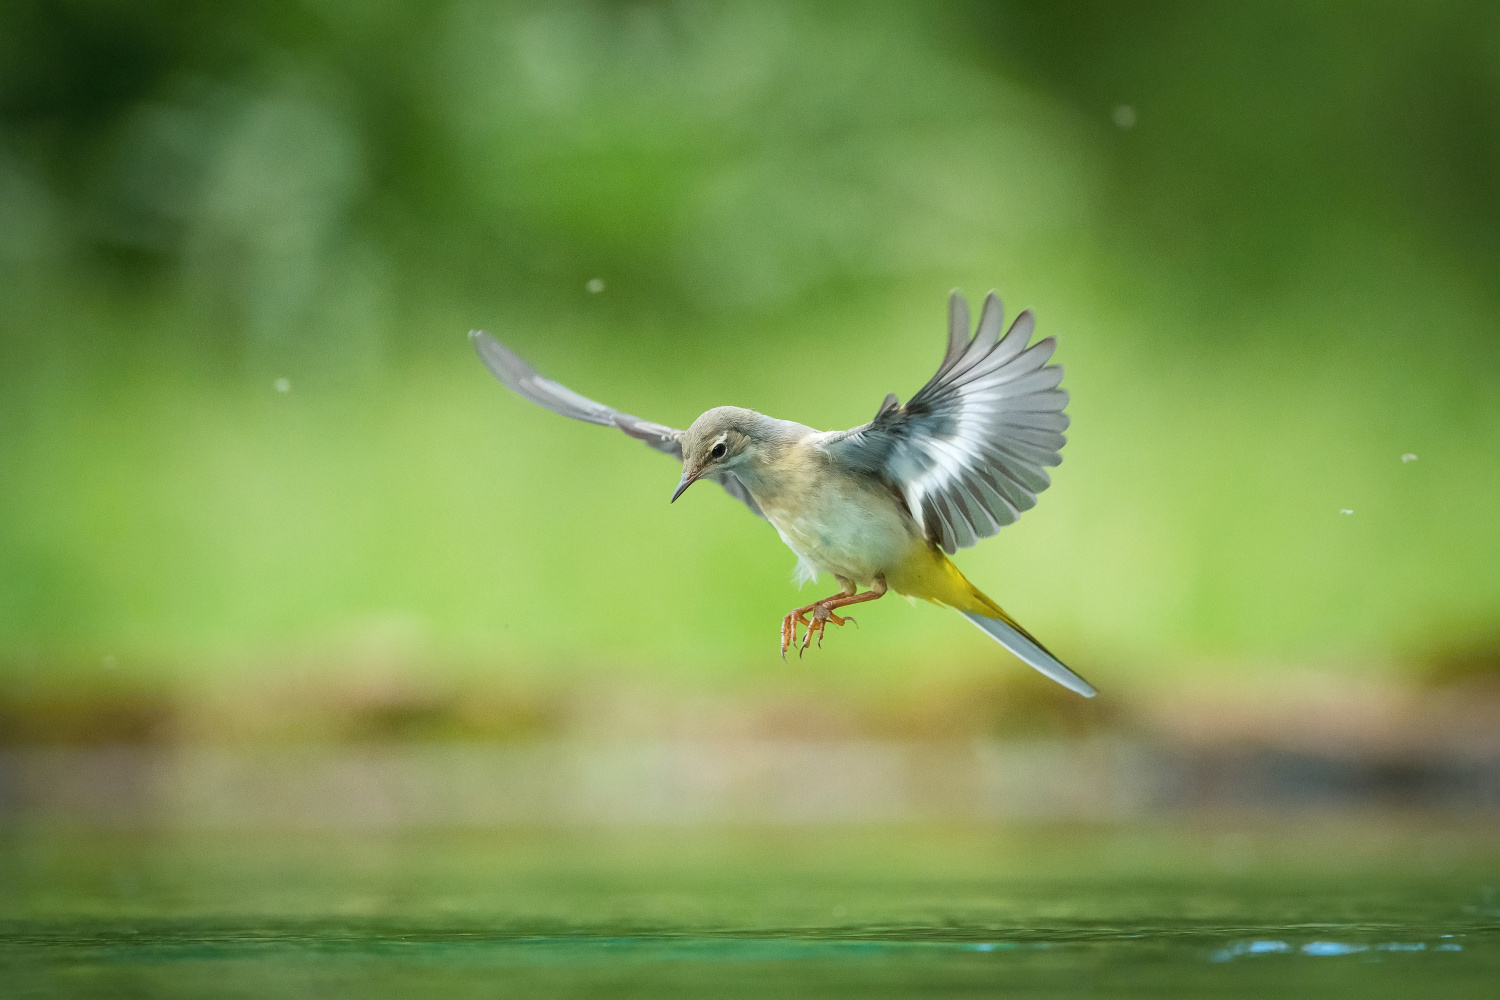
<point>688,479</point>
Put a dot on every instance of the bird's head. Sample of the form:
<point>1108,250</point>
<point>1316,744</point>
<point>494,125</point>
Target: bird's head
<point>719,440</point>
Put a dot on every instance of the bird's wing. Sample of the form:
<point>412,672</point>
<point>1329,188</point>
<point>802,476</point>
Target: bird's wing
<point>969,451</point>
<point>523,379</point>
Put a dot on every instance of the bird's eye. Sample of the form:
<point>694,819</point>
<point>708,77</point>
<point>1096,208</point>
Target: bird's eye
<point>719,450</point>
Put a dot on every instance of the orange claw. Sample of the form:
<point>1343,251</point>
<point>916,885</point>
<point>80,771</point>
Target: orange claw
<point>822,614</point>
<point>788,632</point>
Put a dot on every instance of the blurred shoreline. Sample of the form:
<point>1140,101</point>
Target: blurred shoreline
<point>397,755</point>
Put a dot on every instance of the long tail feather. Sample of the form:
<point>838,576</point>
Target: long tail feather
<point>1030,652</point>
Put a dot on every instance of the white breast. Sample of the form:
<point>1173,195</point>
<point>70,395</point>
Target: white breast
<point>853,532</point>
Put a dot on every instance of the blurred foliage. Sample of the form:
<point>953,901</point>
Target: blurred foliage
<point>1267,235</point>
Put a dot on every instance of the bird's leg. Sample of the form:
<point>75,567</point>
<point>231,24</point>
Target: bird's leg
<point>820,610</point>
<point>822,613</point>
<point>799,617</point>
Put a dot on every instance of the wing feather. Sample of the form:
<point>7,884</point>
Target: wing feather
<point>970,451</point>
<point>958,332</point>
<point>1051,440</point>
<point>1056,422</point>
<point>525,381</point>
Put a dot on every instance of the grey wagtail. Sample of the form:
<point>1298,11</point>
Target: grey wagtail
<point>882,505</point>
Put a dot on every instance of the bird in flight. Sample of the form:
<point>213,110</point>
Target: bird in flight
<point>883,505</point>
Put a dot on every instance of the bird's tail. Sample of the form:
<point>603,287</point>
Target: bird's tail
<point>992,620</point>
<point>1008,633</point>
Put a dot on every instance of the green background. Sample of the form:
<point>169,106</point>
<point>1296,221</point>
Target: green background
<point>1277,277</point>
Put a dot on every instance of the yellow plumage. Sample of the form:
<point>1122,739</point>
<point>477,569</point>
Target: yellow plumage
<point>929,574</point>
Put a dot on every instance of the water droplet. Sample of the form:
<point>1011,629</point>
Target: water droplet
<point>1346,510</point>
<point>283,385</point>
<point>1124,116</point>
<point>1408,457</point>
<point>109,662</point>
<point>595,286</point>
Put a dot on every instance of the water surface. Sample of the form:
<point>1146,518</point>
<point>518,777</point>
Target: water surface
<point>1308,908</point>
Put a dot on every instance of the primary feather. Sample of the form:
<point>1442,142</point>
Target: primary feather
<point>969,452</point>
<point>525,380</point>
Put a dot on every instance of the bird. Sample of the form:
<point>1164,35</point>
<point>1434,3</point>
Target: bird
<point>884,505</point>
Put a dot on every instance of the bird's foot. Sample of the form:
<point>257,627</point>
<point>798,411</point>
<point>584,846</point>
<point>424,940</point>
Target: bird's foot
<point>821,616</point>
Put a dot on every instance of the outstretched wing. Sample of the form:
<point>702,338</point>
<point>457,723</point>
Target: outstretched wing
<point>969,451</point>
<point>524,380</point>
